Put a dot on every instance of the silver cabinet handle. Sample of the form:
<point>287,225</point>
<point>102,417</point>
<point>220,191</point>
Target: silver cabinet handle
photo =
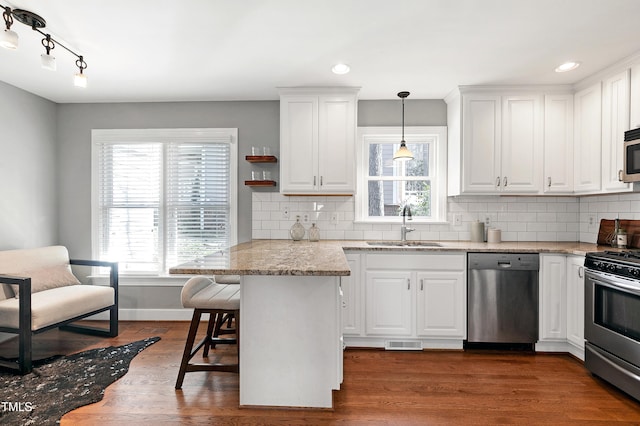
<point>620,175</point>
<point>314,181</point>
<point>320,180</point>
<point>581,272</point>
<point>505,182</point>
<point>408,284</point>
<point>549,181</point>
<point>421,284</point>
<point>498,181</point>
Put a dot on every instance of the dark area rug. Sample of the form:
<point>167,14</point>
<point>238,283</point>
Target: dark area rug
<point>60,384</point>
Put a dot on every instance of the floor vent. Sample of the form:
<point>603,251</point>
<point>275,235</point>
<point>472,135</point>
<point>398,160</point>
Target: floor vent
<point>402,345</point>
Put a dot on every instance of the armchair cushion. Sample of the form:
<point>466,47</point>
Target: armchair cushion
<point>57,305</point>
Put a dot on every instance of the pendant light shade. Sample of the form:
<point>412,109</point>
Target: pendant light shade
<point>403,153</point>
<point>9,40</point>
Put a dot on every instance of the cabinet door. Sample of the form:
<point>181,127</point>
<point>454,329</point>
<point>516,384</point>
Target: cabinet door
<point>587,139</point>
<point>553,297</point>
<point>336,148</point>
<point>521,149</point>
<point>481,134</point>
<point>441,304</point>
<point>388,303</point>
<point>558,144</point>
<point>351,300</point>
<point>575,300</point>
<point>298,143</point>
<point>615,121</point>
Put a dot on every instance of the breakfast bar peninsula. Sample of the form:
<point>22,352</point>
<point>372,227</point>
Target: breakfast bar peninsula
<point>290,303</point>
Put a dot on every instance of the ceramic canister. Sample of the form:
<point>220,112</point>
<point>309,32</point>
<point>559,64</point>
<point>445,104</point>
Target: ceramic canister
<point>477,231</point>
<point>494,235</point>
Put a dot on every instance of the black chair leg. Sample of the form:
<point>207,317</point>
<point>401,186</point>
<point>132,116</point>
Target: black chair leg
<point>186,356</point>
<point>213,319</point>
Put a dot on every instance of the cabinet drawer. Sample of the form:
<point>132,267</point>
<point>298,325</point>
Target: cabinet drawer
<point>431,261</point>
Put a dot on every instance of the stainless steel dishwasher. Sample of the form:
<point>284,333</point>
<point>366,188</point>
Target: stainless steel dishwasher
<point>502,299</point>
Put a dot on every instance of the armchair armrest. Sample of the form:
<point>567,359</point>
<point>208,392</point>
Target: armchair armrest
<point>113,272</point>
<point>24,303</point>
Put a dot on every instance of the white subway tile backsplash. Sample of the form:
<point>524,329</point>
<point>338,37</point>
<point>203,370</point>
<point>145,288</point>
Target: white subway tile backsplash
<point>520,218</point>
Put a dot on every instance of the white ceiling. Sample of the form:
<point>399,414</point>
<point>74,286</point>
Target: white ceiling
<point>199,50</point>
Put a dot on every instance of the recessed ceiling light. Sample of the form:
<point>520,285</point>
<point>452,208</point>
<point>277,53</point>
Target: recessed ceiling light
<point>568,66</point>
<point>340,69</point>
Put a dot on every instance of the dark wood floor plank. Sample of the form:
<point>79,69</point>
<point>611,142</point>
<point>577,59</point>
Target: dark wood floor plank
<point>380,387</point>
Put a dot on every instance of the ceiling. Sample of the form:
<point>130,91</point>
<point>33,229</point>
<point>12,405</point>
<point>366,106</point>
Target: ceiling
<point>203,50</point>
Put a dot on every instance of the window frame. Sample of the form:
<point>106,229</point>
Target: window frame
<point>413,134</point>
<point>163,136</point>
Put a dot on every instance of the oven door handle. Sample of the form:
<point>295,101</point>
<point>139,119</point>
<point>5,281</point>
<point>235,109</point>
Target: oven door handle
<point>621,370</point>
<point>619,286</point>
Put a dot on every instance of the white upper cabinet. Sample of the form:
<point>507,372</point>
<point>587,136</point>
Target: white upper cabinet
<point>521,153</point>
<point>501,141</point>
<point>317,140</point>
<point>481,134</point>
<point>587,139</point>
<point>558,144</point>
<point>615,121</point>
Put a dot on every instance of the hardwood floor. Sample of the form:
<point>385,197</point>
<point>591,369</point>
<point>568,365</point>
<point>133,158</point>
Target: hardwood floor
<point>380,387</point>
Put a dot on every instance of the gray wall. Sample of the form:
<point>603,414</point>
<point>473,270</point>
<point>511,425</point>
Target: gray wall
<point>257,122</point>
<point>417,112</point>
<point>28,170</point>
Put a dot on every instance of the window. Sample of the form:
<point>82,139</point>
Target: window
<point>162,197</point>
<point>385,186</point>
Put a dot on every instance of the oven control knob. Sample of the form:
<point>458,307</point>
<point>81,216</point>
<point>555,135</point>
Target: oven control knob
<point>635,272</point>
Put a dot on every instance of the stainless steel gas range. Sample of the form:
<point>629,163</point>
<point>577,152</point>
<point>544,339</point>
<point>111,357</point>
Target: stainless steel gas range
<point>612,318</point>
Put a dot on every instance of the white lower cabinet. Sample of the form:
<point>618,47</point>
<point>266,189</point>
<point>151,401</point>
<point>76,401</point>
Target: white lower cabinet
<point>414,297</point>
<point>575,304</point>
<point>561,305</point>
<point>389,303</point>
<point>553,298</point>
<point>352,297</point>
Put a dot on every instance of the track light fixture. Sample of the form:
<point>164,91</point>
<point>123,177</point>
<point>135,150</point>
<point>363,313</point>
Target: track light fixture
<point>9,40</point>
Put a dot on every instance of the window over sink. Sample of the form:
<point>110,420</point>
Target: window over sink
<point>385,186</point>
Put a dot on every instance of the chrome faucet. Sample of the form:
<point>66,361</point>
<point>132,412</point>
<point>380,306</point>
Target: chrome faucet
<point>406,210</point>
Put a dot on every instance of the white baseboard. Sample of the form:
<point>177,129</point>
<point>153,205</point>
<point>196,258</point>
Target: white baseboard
<point>149,315</point>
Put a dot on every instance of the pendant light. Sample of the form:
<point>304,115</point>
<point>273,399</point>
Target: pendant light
<point>403,153</point>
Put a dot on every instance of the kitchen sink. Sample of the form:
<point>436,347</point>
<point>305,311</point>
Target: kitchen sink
<point>404,243</point>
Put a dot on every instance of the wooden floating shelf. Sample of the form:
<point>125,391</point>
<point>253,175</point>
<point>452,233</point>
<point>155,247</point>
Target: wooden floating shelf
<point>260,182</point>
<point>261,159</point>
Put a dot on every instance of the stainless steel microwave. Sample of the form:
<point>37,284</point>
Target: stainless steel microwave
<point>631,171</point>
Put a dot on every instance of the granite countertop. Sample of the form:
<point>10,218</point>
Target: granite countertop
<point>274,257</point>
<point>326,258</point>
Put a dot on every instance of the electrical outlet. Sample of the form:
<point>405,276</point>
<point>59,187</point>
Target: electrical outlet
<point>457,219</point>
<point>487,221</point>
<point>285,212</point>
<point>305,218</point>
<point>334,218</point>
<point>592,223</point>
<point>592,220</point>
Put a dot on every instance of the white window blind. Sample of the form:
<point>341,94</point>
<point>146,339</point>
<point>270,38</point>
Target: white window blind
<point>163,197</point>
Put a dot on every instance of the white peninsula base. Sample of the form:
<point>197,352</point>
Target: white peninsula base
<point>290,340</point>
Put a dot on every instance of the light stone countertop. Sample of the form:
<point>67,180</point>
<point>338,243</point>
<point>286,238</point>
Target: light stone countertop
<point>326,258</point>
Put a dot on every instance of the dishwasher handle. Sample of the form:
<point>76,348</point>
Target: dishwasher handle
<point>504,264</point>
